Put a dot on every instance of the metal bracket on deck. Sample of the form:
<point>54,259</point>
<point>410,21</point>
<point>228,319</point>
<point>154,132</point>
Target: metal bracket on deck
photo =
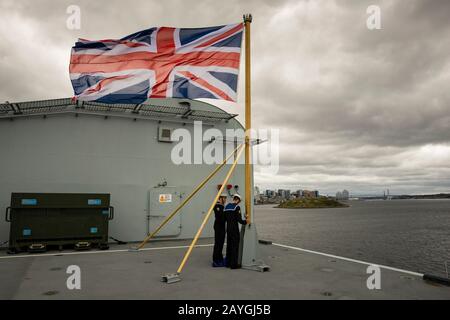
<point>37,247</point>
<point>171,278</point>
<point>82,245</point>
<point>260,267</point>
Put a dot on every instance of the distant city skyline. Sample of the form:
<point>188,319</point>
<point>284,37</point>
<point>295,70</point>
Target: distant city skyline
<point>380,192</point>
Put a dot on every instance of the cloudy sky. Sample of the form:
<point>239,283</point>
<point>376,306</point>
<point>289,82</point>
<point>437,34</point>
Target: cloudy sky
<point>359,109</point>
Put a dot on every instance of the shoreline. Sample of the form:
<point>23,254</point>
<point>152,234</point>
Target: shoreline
<point>312,203</point>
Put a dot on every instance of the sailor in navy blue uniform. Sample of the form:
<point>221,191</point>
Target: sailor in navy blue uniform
<point>219,231</point>
<point>233,217</point>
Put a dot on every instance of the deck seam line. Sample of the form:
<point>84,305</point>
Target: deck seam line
<point>94,252</point>
<point>349,259</point>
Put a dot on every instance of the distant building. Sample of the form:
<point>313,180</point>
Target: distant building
<point>270,193</point>
<point>310,194</point>
<point>298,193</point>
<point>257,196</point>
<point>283,193</point>
<point>344,195</point>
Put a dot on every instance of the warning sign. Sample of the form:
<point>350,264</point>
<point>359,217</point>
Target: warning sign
<point>165,198</point>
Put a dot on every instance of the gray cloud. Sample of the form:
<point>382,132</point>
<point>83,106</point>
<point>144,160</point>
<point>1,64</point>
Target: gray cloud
<point>364,110</point>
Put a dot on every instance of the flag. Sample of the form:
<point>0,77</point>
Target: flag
<point>159,62</point>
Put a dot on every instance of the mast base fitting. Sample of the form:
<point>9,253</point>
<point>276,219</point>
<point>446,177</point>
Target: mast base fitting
<point>260,267</point>
<point>171,278</point>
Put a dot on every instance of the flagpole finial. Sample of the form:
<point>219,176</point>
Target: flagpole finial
<point>247,17</point>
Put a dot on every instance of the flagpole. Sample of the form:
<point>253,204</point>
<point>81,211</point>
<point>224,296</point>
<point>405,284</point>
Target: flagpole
<point>248,121</point>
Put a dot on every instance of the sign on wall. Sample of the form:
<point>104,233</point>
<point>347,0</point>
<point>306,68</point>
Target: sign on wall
<point>167,197</point>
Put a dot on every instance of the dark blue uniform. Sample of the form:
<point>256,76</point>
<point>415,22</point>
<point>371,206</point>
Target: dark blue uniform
<point>233,217</point>
<point>219,234</point>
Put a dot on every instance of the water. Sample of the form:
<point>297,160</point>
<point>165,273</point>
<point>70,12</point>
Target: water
<point>407,234</point>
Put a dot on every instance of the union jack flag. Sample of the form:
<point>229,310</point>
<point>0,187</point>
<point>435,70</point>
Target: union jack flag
<point>159,62</point>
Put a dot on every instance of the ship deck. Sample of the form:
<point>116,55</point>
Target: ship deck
<point>120,274</point>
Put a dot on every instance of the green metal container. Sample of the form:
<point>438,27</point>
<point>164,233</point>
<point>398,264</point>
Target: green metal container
<point>39,220</point>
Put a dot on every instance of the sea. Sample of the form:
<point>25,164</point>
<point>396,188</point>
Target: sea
<point>408,234</point>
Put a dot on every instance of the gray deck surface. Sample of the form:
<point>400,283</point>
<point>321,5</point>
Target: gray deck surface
<point>136,275</point>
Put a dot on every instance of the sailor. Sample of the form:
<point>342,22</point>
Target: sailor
<point>233,217</point>
<point>219,231</point>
